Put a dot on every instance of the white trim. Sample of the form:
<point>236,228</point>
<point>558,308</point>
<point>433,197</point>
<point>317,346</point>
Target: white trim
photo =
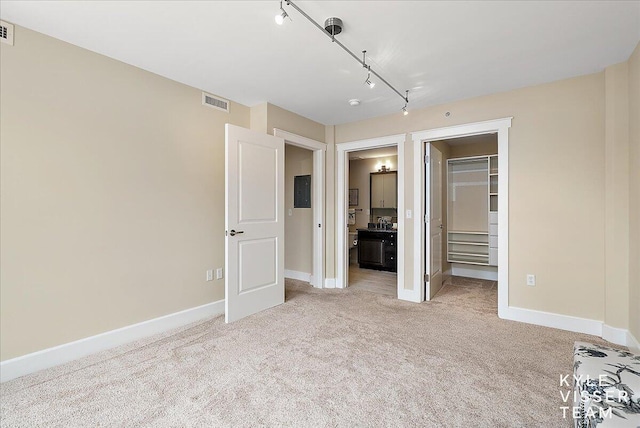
<point>632,343</point>
<point>300,276</point>
<point>371,143</point>
<point>299,140</point>
<point>548,319</point>
<point>342,193</point>
<point>489,273</point>
<point>501,126</point>
<point>329,283</point>
<point>30,363</point>
<point>319,239</point>
<point>615,335</point>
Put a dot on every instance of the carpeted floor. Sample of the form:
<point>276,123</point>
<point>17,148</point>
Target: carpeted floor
<point>324,358</point>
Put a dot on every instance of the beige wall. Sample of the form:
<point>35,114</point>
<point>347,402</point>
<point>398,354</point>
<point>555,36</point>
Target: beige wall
<point>298,227</point>
<point>359,178</point>
<point>634,192</point>
<point>556,186</point>
<point>112,194</point>
<point>616,202</point>
<point>258,118</point>
<point>284,119</point>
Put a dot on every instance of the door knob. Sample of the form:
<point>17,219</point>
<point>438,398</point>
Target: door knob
<point>234,233</point>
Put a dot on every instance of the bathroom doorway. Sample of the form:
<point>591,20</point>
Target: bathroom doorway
<point>342,197</point>
<point>373,220</point>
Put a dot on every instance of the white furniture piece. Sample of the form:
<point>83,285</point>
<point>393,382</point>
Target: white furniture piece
<point>472,210</point>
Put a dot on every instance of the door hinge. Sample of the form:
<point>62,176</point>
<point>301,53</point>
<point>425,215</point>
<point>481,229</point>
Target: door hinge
<point>426,219</point>
<point>426,159</point>
<point>426,277</point>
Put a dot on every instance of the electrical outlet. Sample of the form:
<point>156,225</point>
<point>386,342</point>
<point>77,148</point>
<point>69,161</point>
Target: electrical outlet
<point>531,280</point>
<point>219,273</point>
<point>210,275</point>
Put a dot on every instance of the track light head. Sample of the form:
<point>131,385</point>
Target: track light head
<point>281,16</point>
<point>405,111</point>
<point>369,82</point>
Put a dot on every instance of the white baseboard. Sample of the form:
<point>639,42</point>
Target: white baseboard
<point>615,335</point>
<point>30,363</point>
<point>294,274</point>
<point>548,319</point>
<point>489,273</point>
<point>632,343</point>
<point>329,283</point>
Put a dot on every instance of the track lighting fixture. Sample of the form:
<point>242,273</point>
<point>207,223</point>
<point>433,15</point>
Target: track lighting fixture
<point>368,67</point>
<point>404,109</point>
<point>282,15</point>
<point>333,27</point>
<point>369,82</point>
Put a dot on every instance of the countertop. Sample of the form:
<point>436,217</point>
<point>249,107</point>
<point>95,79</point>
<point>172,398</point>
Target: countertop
<point>378,230</point>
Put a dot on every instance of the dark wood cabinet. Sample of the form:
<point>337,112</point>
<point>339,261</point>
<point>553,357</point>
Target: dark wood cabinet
<point>377,249</point>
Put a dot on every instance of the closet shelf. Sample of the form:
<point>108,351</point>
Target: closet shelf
<point>472,186</point>
<point>485,244</point>
<point>460,253</point>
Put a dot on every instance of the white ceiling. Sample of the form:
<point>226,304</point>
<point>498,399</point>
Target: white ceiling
<point>441,51</point>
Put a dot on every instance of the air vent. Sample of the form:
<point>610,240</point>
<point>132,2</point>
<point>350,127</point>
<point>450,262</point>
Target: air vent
<point>215,102</point>
<point>6,33</point>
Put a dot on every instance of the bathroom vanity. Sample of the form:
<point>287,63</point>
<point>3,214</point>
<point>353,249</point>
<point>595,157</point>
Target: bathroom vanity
<point>377,249</point>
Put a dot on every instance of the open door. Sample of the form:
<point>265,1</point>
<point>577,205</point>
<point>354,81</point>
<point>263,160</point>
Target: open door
<point>254,222</point>
<point>433,217</point>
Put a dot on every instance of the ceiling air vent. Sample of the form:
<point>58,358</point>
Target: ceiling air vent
<point>6,33</point>
<point>215,102</point>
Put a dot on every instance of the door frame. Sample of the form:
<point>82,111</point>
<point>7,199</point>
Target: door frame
<point>342,194</point>
<point>427,214</point>
<point>501,127</point>
<point>318,199</point>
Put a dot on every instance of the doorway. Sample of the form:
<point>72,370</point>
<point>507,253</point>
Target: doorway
<point>422,246</point>
<point>317,276</point>
<point>342,197</point>
<point>461,190</point>
<point>373,220</point>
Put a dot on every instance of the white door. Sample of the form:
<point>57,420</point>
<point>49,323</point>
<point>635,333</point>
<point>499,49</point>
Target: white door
<point>433,229</point>
<point>254,222</point>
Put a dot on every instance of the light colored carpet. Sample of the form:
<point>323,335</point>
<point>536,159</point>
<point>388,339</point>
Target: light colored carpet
<point>472,294</point>
<point>324,358</point>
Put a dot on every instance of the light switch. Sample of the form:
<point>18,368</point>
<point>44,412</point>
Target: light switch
<point>290,212</point>
<point>408,213</point>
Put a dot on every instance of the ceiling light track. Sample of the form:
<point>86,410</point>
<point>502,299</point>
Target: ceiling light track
<point>335,24</point>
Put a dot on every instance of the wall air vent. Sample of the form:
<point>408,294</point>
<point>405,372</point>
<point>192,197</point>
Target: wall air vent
<point>6,33</point>
<point>215,102</point>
